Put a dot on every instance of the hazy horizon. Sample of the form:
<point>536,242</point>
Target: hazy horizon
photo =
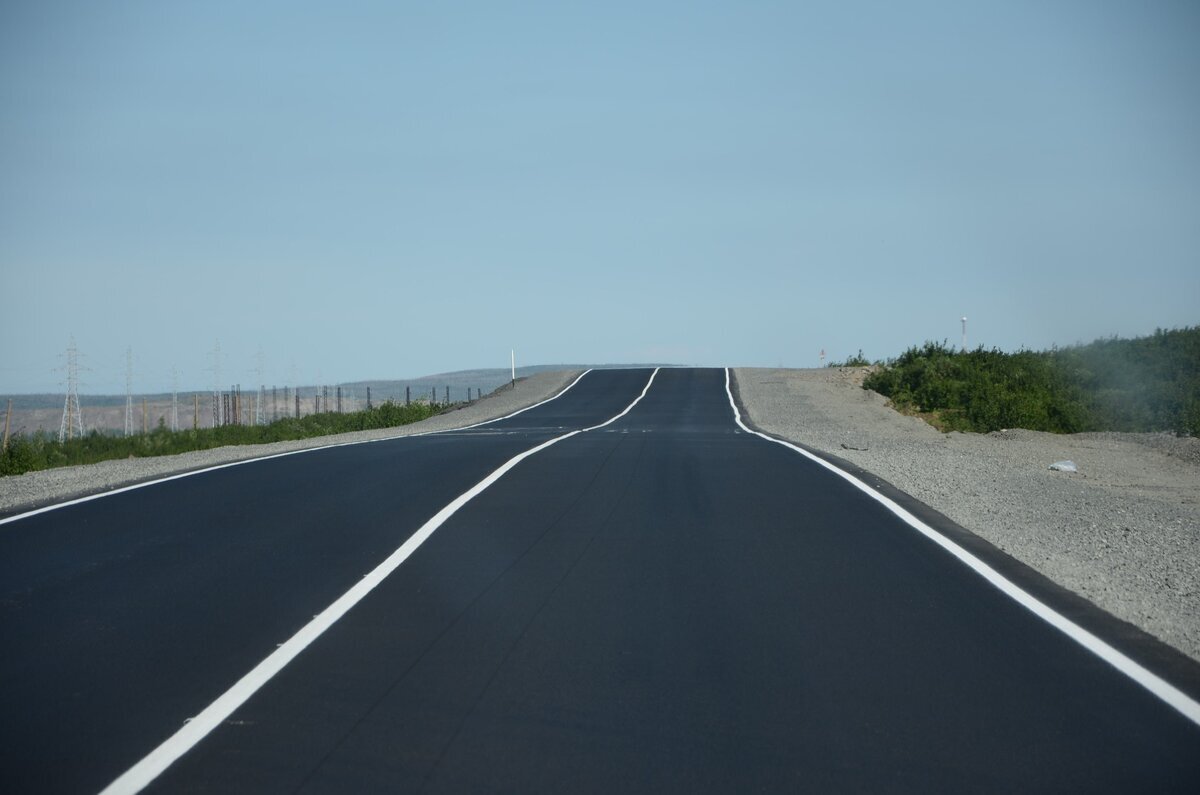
<point>388,188</point>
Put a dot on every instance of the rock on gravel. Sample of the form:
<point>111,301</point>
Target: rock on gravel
<point>1124,531</point>
<point>33,489</point>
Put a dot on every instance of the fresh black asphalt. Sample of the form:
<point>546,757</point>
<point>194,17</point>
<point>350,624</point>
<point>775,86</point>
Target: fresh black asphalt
<point>663,604</point>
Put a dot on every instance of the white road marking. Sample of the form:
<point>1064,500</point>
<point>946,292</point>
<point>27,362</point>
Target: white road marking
<point>1161,688</point>
<point>240,462</point>
<point>150,767</point>
<point>522,411</point>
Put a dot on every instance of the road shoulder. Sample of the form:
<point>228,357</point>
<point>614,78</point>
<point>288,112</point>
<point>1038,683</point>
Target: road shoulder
<point>1122,534</point>
<point>20,493</point>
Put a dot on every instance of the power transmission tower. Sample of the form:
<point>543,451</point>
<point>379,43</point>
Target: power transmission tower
<point>129,391</point>
<point>72,418</point>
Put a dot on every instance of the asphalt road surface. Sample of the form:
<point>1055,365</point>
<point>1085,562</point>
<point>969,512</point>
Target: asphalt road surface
<point>664,603</point>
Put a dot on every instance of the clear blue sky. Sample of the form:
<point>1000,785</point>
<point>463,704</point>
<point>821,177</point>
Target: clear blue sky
<point>377,190</point>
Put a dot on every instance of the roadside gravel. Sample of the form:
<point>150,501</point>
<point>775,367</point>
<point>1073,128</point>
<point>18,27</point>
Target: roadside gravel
<point>1123,532</point>
<point>33,489</point>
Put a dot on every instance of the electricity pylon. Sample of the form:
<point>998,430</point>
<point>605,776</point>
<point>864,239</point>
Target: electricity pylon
<point>72,418</point>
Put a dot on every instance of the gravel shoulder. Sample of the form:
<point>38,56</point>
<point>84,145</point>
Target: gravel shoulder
<point>35,489</point>
<point>1123,532</point>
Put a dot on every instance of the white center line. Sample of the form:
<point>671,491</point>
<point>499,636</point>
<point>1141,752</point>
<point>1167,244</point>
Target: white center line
<point>152,766</point>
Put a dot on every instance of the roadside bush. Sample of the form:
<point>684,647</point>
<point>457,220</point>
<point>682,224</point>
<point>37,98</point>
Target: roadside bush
<point>1144,384</point>
<point>858,360</point>
<point>18,457</point>
<point>40,450</point>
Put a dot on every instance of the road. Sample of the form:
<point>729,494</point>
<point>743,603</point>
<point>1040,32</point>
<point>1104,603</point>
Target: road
<point>667,602</point>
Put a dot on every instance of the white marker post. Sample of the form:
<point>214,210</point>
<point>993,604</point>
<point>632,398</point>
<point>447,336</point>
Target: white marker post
<point>513,354</point>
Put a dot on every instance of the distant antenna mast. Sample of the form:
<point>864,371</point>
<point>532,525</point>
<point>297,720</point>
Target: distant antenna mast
<point>964,329</point>
<point>72,418</point>
<point>129,391</point>
<point>822,357</point>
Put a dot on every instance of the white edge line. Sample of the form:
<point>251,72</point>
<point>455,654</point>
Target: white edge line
<point>153,764</point>
<point>518,411</point>
<point>1164,690</point>
<point>239,462</point>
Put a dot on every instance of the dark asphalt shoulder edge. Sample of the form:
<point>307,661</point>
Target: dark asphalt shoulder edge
<point>1148,651</point>
<point>250,453</point>
<point>124,483</point>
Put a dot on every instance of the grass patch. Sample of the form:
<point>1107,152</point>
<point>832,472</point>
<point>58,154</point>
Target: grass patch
<point>41,450</point>
<point>1134,385</point>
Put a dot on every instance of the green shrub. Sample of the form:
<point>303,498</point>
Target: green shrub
<point>857,360</point>
<point>19,457</point>
<point>40,450</point>
<point>1144,384</point>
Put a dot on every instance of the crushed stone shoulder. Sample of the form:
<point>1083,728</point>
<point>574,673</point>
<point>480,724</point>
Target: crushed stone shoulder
<point>1123,532</point>
<point>31,490</point>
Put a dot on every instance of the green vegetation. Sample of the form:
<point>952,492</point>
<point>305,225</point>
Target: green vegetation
<point>1144,384</point>
<point>41,450</point>
<point>858,360</point>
